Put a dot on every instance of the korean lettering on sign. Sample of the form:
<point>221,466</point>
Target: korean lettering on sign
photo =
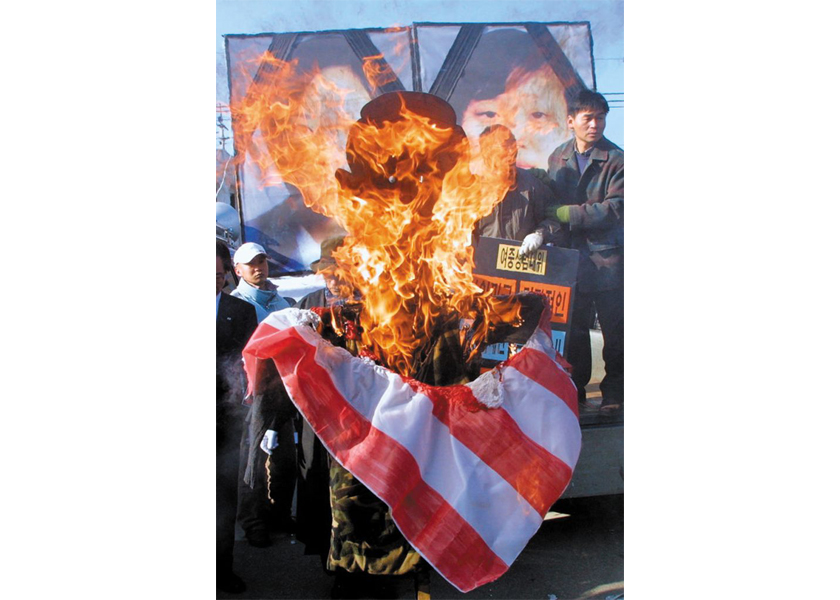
<point>498,285</point>
<point>508,259</point>
<point>550,271</point>
<point>559,296</point>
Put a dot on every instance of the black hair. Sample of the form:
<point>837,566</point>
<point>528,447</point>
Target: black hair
<point>328,50</point>
<point>223,252</point>
<point>588,99</point>
<point>498,54</point>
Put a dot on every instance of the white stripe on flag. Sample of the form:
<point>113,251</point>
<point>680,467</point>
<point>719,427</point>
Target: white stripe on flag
<point>541,415</point>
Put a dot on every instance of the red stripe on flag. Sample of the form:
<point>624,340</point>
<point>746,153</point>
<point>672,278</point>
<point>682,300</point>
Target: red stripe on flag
<point>432,526</point>
<point>494,436</point>
<point>264,343</point>
<point>425,518</point>
<point>545,317</point>
<point>538,367</point>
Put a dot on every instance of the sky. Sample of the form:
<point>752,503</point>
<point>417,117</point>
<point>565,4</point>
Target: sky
<point>605,16</point>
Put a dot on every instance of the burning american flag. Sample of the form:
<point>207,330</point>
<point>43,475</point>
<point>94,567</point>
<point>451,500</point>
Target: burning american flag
<point>467,470</point>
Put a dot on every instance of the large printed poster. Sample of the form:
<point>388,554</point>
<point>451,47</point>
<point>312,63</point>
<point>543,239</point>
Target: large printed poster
<point>517,76</point>
<point>520,76</point>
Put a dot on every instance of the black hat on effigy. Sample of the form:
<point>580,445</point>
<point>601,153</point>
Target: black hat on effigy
<point>387,107</point>
<point>440,158</point>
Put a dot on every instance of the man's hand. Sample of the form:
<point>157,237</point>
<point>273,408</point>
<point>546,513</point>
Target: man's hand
<point>269,441</point>
<point>541,174</point>
<point>530,244</point>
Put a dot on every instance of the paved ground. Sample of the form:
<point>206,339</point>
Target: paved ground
<point>574,557</point>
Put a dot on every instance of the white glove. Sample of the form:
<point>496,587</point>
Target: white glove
<point>269,441</point>
<point>531,242</point>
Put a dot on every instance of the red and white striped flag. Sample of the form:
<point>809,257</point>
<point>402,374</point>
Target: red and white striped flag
<point>467,485</point>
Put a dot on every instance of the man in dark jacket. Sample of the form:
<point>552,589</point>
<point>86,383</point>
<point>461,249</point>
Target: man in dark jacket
<point>587,175</point>
<point>314,514</point>
<point>314,518</point>
<point>520,215</point>
<point>256,512</point>
<point>236,320</point>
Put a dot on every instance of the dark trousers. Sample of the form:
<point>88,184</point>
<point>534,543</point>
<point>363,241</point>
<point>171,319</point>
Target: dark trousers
<point>228,433</point>
<point>609,306</point>
<point>255,509</point>
<point>314,515</point>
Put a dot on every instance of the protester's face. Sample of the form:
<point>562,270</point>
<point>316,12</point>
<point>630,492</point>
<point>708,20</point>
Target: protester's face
<point>332,283</point>
<point>588,125</point>
<point>533,108</point>
<point>220,275</point>
<point>490,144</point>
<point>254,272</point>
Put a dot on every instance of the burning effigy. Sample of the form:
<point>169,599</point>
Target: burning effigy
<point>444,464</point>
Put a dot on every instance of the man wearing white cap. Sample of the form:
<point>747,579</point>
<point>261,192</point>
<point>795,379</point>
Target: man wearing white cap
<point>251,265</point>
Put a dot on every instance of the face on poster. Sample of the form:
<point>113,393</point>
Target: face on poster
<point>507,81</point>
<point>334,90</point>
<point>532,106</point>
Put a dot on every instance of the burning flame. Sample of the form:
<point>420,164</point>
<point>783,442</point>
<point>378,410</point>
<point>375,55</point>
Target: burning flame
<point>409,203</point>
<point>377,71</point>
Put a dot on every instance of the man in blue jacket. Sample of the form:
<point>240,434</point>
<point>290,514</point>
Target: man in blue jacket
<point>251,264</point>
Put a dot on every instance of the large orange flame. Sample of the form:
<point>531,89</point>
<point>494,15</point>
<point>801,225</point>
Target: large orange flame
<point>409,203</point>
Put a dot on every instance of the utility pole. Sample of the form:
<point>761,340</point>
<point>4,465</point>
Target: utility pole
<point>220,125</point>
